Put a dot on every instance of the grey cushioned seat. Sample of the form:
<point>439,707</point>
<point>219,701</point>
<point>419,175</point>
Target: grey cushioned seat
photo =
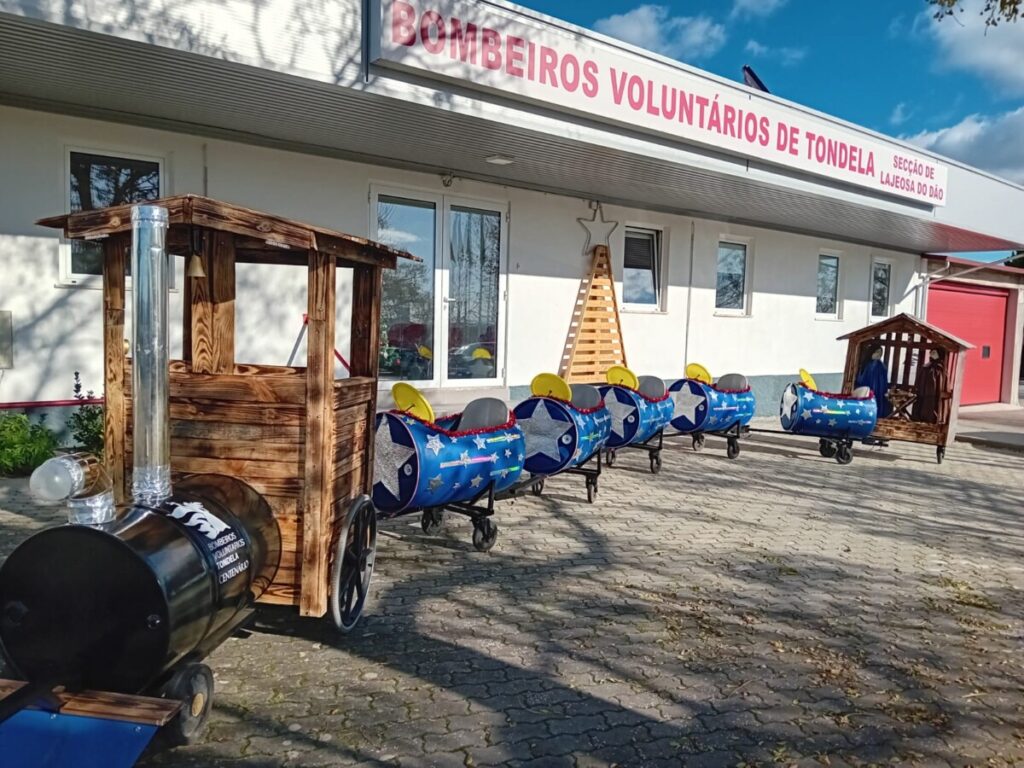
<point>585,396</point>
<point>483,413</point>
<point>651,386</point>
<point>862,392</point>
<point>733,381</point>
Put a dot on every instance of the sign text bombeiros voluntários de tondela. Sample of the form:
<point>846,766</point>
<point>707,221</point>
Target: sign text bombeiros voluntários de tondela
<point>498,48</point>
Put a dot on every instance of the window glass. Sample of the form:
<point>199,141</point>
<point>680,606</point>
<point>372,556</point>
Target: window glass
<point>642,268</point>
<point>407,301</point>
<point>730,285</point>
<point>100,181</point>
<point>881,274</point>
<point>828,285</point>
<point>474,273</point>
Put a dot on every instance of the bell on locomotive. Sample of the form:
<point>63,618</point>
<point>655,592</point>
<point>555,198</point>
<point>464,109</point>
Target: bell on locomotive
<point>123,596</point>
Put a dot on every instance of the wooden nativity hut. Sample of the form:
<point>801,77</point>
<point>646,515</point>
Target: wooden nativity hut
<point>300,437</point>
<point>924,371</point>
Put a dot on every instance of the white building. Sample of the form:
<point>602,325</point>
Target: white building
<point>474,134</point>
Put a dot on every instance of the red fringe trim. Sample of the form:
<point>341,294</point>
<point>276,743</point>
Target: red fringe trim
<point>729,391</point>
<point>584,411</point>
<point>459,432</point>
<point>637,392</point>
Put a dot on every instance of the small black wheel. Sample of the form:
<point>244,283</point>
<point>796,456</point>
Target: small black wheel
<point>655,463</point>
<point>732,448</point>
<point>353,564</point>
<point>537,488</point>
<point>844,454</point>
<point>940,453</point>
<point>827,448</point>
<point>609,458</point>
<point>192,685</point>
<point>591,492</point>
<point>432,520</point>
<point>485,533</point>
<point>698,442</point>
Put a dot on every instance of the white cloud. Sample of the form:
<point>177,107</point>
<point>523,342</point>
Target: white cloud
<point>747,8</point>
<point>654,28</point>
<point>785,56</point>
<point>994,53</point>
<point>397,237</point>
<point>896,26</point>
<point>989,142</point>
<point>900,114</point>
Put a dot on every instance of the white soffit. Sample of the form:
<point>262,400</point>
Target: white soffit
<point>54,67</point>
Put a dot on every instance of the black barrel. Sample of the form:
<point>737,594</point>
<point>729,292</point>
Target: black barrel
<point>114,608</point>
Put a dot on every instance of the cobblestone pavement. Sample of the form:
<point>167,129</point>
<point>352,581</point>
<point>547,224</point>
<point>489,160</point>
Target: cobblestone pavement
<point>774,610</point>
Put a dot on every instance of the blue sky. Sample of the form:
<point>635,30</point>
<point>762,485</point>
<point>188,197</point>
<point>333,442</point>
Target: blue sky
<point>948,85</point>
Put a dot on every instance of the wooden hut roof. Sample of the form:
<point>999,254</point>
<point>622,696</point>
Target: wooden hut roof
<point>905,322</point>
<point>260,237</point>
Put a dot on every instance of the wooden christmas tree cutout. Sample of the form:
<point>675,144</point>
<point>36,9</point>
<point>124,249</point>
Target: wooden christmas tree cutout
<point>594,343</point>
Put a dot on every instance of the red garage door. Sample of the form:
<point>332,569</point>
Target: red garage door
<point>977,315</point>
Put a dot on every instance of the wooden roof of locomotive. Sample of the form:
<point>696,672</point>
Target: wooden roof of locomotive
<point>260,237</point>
<point>905,322</point>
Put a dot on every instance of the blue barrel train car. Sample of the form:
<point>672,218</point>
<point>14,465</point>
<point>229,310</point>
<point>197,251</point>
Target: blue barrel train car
<point>724,408</point>
<point>837,420</point>
<point>639,415</point>
<point>425,465</point>
<point>564,435</point>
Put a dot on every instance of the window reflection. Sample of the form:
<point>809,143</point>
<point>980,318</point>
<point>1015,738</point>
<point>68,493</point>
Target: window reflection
<point>474,272</point>
<point>98,181</point>
<point>407,302</point>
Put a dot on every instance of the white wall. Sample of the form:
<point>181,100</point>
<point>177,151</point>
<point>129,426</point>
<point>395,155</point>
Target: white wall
<point>58,329</point>
<point>782,332</point>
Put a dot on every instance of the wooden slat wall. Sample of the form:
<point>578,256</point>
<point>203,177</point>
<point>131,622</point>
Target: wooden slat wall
<point>238,425</point>
<point>317,517</point>
<point>115,418</point>
<point>212,307</point>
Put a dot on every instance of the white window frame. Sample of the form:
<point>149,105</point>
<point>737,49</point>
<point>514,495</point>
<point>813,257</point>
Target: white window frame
<point>443,204</point>
<point>838,256</point>
<point>748,276</point>
<point>66,277</point>
<point>660,266</point>
<point>871,289</point>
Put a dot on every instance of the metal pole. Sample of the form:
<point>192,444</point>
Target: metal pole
<point>151,457</point>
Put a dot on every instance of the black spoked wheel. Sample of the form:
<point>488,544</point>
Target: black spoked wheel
<point>591,492</point>
<point>655,463</point>
<point>192,685</point>
<point>537,488</point>
<point>732,448</point>
<point>844,454</point>
<point>353,564</point>
<point>698,442</point>
<point>940,453</point>
<point>609,458</point>
<point>432,520</point>
<point>827,448</point>
<point>485,533</point>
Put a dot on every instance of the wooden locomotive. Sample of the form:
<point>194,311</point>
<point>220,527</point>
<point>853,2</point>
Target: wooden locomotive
<point>243,483</point>
<point>300,437</point>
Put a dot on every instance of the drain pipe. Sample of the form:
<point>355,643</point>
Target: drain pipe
<point>151,457</point>
<point>689,299</point>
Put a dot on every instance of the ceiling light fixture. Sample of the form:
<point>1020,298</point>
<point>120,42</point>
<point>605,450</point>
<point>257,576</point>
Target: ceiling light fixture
<point>500,159</point>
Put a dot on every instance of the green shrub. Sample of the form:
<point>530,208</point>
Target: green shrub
<point>23,445</point>
<point>86,423</point>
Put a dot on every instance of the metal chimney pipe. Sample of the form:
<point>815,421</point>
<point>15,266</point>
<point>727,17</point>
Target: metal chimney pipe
<point>151,476</point>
